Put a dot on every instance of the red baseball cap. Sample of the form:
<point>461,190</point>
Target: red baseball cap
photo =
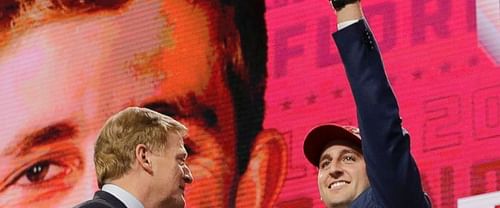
<point>319,138</point>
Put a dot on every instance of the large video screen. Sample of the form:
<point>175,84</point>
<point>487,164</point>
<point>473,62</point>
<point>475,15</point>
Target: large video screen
<point>249,79</point>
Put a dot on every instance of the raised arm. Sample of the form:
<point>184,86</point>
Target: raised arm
<point>392,171</point>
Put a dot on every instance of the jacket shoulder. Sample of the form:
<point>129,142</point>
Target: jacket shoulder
<point>94,203</point>
<point>102,199</point>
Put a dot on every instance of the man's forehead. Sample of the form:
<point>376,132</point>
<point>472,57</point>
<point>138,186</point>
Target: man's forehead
<point>175,139</point>
<point>340,148</point>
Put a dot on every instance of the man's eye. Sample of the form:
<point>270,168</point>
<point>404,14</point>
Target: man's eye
<point>42,179</point>
<point>349,158</point>
<point>324,164</point>
<point>40,172</point>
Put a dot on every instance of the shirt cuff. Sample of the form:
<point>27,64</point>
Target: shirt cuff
<point>345,24</point>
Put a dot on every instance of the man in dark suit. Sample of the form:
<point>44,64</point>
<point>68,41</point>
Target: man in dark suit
<point>377,170</point>
<point>140,161</point>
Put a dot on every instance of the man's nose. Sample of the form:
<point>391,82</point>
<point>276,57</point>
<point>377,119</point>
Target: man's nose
<point>336,170</point>
<point>188,177</point>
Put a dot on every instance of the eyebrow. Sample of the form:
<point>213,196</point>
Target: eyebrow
<point>48,135</point>
<point>326,156</point>
<point>345,151</point>
<point>176,110</point>
<point>342,152</point>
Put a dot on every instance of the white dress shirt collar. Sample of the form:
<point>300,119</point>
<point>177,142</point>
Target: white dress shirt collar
<point>124,196</point>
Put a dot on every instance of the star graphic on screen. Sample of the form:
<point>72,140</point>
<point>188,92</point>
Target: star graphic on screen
<point>417,74</point>
<point>286,105</point>
<point>311,99</point>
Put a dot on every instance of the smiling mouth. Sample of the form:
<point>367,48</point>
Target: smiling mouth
<point>337,184</point>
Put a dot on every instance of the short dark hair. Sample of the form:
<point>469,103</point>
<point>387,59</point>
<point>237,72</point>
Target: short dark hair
<point>248,89</point>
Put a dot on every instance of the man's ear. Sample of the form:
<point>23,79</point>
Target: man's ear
<point>261,184</point>
<point>143,158</point>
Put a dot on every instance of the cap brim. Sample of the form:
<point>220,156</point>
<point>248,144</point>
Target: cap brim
<point>321,136</point>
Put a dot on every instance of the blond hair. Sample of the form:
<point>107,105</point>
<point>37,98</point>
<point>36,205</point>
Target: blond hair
<point>114,150</point>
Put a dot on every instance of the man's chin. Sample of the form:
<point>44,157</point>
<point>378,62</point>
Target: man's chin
<point>337,200</point>
<point>176,202</point>
<point>181,202</point>
<point>339,203</point>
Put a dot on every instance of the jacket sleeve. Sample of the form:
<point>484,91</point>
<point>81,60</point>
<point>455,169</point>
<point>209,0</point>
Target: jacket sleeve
<point>391,169</point>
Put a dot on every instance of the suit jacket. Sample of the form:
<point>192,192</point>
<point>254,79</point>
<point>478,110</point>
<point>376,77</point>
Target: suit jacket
<point>392,171</point>
<point>102,199</point>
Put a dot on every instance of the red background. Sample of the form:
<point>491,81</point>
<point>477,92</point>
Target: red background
<point>446,84</point>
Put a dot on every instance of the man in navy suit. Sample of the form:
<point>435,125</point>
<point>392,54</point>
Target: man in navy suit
<point>140,161</point>
<point>371,166</point>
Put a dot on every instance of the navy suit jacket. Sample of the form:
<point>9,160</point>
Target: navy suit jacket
<point>102,199</point>
<point>392,171</point>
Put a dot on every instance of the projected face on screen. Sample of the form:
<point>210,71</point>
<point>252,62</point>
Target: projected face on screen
<point>66,66</point>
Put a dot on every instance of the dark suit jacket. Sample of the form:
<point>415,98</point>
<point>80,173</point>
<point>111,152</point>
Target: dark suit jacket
<point>392,171</point>
<point>102,199</point>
